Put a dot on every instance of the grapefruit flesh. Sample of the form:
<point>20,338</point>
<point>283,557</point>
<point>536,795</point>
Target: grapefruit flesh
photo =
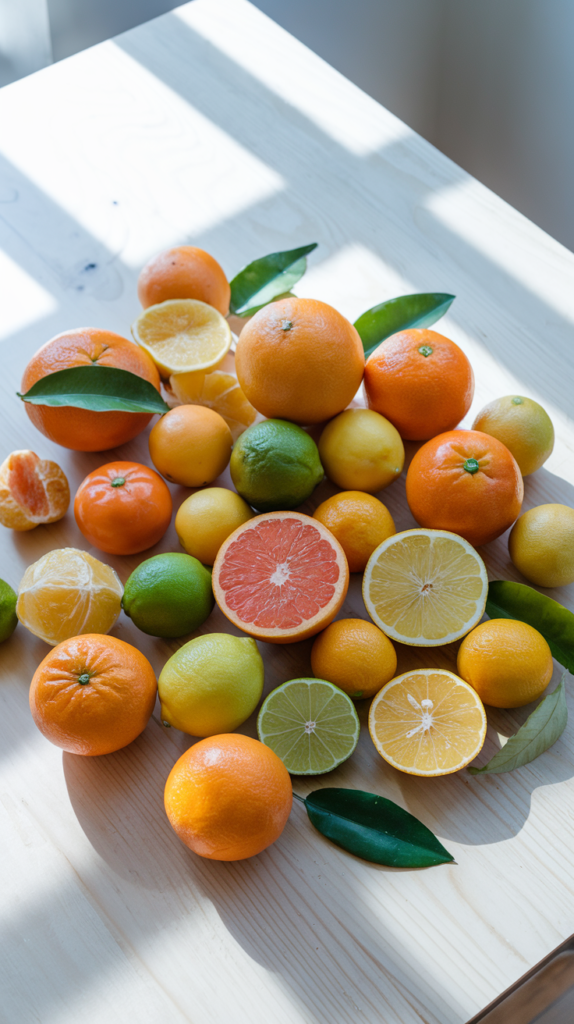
<point>281,577</point>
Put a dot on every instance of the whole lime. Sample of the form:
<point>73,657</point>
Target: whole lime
<point>211,685</point>
<point>168,595</point>
<point>275,466</point>
<point>8,617</point>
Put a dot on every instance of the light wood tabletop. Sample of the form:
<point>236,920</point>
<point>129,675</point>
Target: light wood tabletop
<point>213,126</point>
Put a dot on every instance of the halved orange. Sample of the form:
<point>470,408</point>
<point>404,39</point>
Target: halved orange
<point>281,577</point>
<point>427,722</point>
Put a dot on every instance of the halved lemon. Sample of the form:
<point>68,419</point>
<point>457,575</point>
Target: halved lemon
<point>427,722</point>
<point>219,390</point>
<point>425,587</point>
<point>182,335</point>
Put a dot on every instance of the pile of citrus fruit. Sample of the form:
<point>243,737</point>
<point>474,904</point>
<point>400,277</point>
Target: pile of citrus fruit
<point>279,575</point>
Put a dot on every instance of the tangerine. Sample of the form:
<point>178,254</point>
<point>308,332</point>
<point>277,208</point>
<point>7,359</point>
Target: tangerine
<point>123,508</point>
<point>32,491</point>
<point>85,430</point>
<point>184,272</point>
<point>360,522</point>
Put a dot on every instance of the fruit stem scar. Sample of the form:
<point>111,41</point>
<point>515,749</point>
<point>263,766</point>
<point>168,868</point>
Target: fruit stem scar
<point>167,724</point>
<point>471,466</point>
<point>118,481</point>
<point>425,350</point>
<point>286,325</point>
<point>84,678</point>
<point>517,400</point>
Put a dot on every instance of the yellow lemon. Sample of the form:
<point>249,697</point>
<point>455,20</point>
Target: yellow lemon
<point>206,519</point>
<point>541,545</point>
<point>182,335</point>
<point>523,426</point>
<point>360,450</point>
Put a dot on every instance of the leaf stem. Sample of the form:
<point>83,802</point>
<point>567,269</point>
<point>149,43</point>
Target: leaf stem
<point>301,799</point>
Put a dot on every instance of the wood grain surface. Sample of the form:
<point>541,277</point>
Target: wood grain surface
<point>213,126</point>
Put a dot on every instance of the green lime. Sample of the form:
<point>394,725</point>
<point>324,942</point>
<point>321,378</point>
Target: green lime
<point>275,466</point>
<point>212,684</point>
<point>168,595</point>
<point>8,617</point>
<point>310,724</point>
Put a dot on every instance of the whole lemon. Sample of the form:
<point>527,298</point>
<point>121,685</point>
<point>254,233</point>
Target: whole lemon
<point>211,685</point>
<point>359,521</point>
<point>206,519</point>
<point>275,466</point>
<point>541,545</point>
<point>523,426</point>
<point>190,445</point>
<point>507,662</point>
<point>354,655</point>
<point>361,451</point>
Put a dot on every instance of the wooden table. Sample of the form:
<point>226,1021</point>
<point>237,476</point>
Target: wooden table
<point>211,125</point>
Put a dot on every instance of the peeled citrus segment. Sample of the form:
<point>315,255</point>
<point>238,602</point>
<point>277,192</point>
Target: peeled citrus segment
<point>427,722</point>
<point>67,592</point>
<point>310,724</point>
<point>32,491</point>
<point>219,391</point>
<point>280,577</point>
<point>425,587</point>
<point>182,335</point>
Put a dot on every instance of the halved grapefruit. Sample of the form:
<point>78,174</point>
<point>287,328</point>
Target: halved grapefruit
<point>281,577</point>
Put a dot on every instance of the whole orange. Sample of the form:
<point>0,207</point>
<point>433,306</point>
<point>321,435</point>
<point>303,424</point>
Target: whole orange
<point>300,360</point>
<point>355,655</point>
<point>360,522</point>
<point>228,797</point>
<point>190,445</point>
<point>123,508</point>
<point>184,272</point>
<point>84,430</point>
<point>421,381</point>
<point>92,694</point>
<point>466,482</point>
<point>507,662</point>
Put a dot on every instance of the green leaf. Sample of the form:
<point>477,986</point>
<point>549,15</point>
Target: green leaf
<point>374,828</point>
<point>553,620</point>
<point>541,729</point>
<point>263,280</point>
<point>101,388</point>
<point>420,310</point>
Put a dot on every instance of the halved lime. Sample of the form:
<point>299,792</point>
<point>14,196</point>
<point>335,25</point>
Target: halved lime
<point>310,724</point>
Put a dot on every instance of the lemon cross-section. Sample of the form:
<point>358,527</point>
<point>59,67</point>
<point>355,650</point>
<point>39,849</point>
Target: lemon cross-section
<point>182,335</point>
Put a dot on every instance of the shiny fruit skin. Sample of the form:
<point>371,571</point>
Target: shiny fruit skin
<point>360,522</point>
<point>168,595</point>
<point>84,430</point>
<point>190,445</point>
<point>104,713</point>
<point>354,655</point>
<point>126,517</point>
<point>361,450</point>
<point>478,503</point>
<point>184,272</point>
<point>541,545</point>
<point>507,662</point>
<point>207,518</point>
<point>300,360</point>
<point>275,466</point>
<point>228,797</point>
<point>421,381</point>
<point>523,426</point>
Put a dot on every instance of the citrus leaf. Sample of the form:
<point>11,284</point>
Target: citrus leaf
<point>263,280</point>
<point>374,828</point>
<point>517,601</point>
<point>419,310</point>
<point>541,729</point>
<point>100,388</point>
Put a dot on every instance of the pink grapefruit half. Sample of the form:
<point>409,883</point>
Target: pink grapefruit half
<point>281,577</point>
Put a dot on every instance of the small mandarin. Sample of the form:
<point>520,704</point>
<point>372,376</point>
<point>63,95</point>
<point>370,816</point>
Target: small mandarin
<point>123,508</point>
<point>508,662</point>
<point>361,450</point>
<point>207,518</point>
<point>354,655</point>
<point>541,545</point>
<point>184,272</point>
<point>359,521</point>
<point>190,445</point>
<point>32,491</point>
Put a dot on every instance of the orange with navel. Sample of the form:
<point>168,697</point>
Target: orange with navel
<point>123,508</point>
<point>184,272</point>
<point>85,430</point>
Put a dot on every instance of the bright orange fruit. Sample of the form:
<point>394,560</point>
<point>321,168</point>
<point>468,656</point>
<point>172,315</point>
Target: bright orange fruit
<point>184,272</point>
<point>123,508</point>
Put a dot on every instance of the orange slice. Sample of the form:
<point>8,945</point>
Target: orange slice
<point>182,335</point>
<point>32,491</point>
<point>280,577</point>
<point>427,722</point>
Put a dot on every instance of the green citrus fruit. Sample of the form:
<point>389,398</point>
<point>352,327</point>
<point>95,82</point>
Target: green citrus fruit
<point>275,466</point>
<point>168,595</point>
<point>523,426</point>
<point>211,685</point>
<point>310,724</point>
<point>8,617</point>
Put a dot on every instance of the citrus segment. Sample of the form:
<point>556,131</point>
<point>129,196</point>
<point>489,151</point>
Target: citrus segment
<point>310,724</point>
<point>32,491</point>
<point>182,335</point>
<point>280,577</point>
<point>425,587</point>
<point>427,722</point>
<point>218,390</point>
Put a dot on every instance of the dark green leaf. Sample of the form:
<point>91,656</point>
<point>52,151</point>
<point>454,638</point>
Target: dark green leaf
<point>266,278</point>
<point>541,729</point>
<point>374,828</point>
<point>101,388</point>
<point>553,620</point>
<point>420,310</point>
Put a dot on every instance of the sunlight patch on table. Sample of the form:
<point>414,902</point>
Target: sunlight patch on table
<point>24,301</point>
